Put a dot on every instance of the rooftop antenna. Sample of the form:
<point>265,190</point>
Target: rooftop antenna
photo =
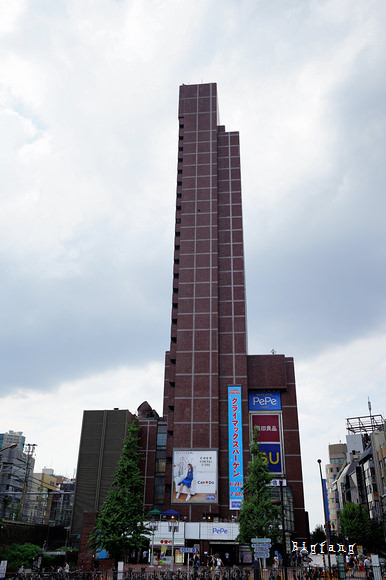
<point>369,405</point>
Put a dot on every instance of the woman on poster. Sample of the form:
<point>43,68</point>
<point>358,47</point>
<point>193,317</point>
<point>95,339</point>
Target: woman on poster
<point>187,482</point>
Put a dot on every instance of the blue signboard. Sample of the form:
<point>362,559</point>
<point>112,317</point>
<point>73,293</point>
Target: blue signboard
<point>272,452</point>
<point>235,448</point>
<point>325,499</point>
<point>264,401</point>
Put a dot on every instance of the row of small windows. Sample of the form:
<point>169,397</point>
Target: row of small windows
<point>161,440</point>
<point>160,466</point>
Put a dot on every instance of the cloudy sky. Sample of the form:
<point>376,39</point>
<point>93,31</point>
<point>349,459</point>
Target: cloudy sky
<point>88,154</point>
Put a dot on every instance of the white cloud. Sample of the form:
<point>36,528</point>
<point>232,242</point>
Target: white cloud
<point>52,420</point>
<point>331,387</point>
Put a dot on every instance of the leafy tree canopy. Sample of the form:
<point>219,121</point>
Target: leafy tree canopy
<point>258,517</point>
<point>20,554</point>
<point>318,535</point>
<point>120,522</point>
<point>356,525</point>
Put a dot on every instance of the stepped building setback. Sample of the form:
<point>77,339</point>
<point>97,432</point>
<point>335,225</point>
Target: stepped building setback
<point>196,455</point>
<point>208,348</point>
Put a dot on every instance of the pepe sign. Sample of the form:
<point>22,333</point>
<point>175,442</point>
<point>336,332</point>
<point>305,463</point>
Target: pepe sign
<point>264,401</point>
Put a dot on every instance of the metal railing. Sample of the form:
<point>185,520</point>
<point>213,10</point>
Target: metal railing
<point>205,573</point>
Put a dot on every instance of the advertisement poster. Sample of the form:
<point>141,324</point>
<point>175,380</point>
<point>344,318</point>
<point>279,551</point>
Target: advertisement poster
<point>194,476</point>
<point>236,476</point>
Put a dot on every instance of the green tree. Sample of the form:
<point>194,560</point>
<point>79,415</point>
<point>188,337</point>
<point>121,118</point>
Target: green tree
<point>18,554</point>
<point>258,516</point>
<point>318,535</point>
<point>120,522</point>
<point>356,525</point>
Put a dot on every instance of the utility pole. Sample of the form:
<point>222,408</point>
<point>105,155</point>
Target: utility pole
<point>29,450</point>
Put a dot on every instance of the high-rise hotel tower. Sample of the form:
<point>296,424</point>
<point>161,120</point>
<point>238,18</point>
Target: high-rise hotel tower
<point>215,393</point>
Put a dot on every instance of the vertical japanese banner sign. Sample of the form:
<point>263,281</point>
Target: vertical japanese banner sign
<point>325,499</point>
<point>235,448</point>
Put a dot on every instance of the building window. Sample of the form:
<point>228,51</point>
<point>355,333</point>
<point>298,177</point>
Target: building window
<point>179,183</point>
<point>161,440</point>
<point>160,465</point>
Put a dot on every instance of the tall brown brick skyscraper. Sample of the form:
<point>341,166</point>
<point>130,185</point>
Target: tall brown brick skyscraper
<point>208,352</point>
<point>194,458</point>
<point>208,334</point>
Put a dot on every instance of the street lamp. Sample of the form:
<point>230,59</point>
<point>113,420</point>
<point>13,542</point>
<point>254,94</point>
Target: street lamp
<point>153,526</point>
<point>326,525</point>
<point>281,503</point>
<point>172,516</point>
<point>173,527</point>
<point>8,447</point>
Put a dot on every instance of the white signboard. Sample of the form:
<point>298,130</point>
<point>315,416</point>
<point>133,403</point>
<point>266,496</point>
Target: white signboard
<point>3,568</point>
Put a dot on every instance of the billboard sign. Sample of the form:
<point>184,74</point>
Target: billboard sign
<point>264,401</point>
<point>269,427</point>
<point>3,568</point>
<point>236,476</point>
<point>194,476</point>
<point>273,456</point>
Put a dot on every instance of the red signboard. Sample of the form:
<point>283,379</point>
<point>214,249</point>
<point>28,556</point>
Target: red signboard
<point>269,427</point>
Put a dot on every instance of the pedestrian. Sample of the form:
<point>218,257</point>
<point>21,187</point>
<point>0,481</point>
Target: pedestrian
<point>367,565</point>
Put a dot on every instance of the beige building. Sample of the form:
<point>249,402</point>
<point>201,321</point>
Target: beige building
<point>337,459</point>
<point>41,495</point>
